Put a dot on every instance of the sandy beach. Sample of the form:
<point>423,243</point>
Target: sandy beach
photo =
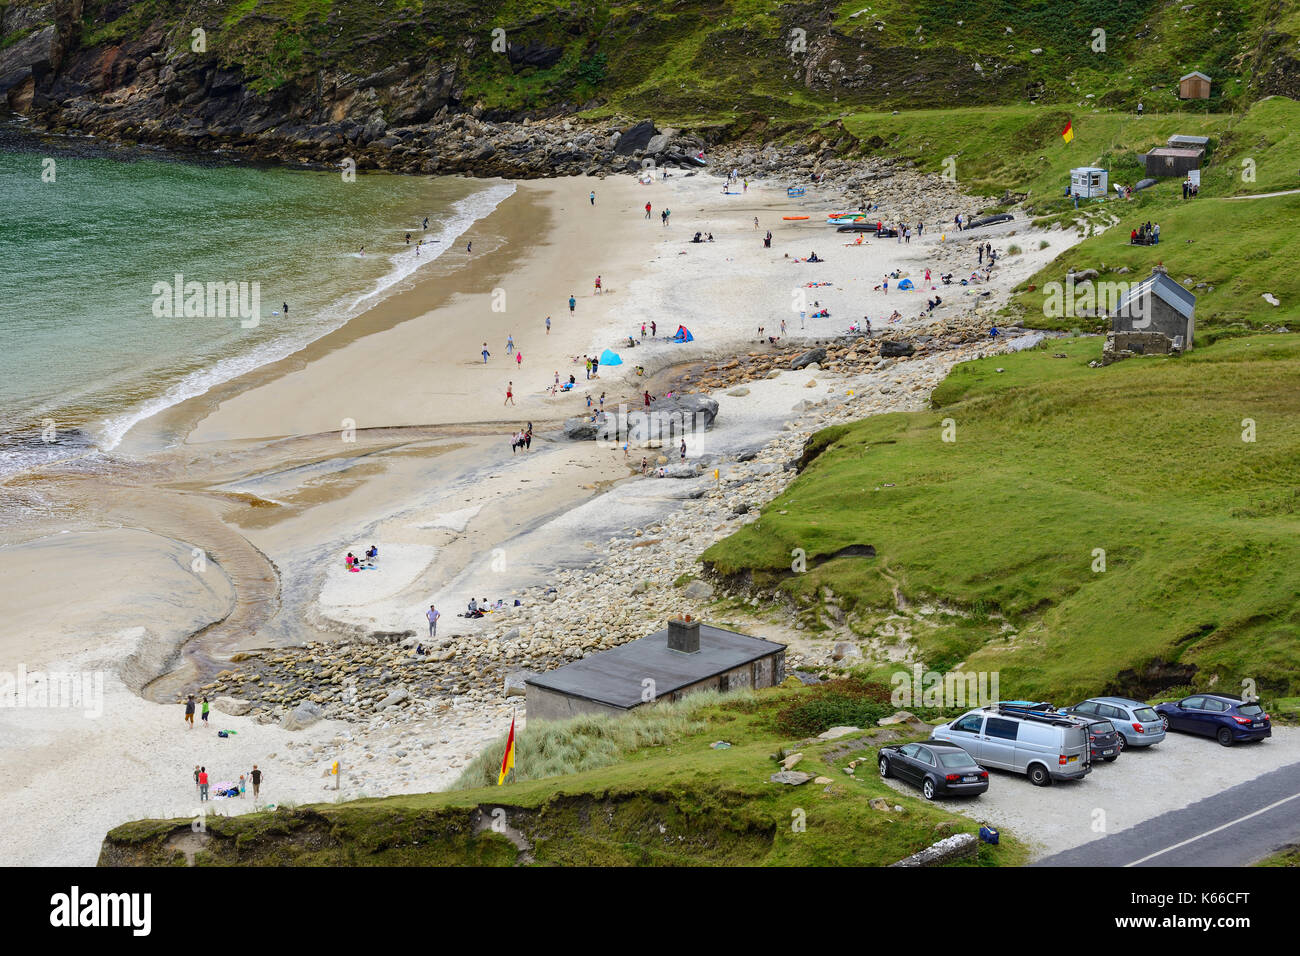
<point>219,527</point>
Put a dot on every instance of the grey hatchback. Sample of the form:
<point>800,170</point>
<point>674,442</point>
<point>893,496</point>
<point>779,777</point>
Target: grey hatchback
<point>1138,724</point>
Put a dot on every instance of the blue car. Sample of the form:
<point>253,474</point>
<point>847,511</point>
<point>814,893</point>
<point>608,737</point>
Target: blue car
<point>1227,719</point>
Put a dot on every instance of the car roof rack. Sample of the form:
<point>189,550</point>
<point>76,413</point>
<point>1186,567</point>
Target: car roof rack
<point>1031,710</point>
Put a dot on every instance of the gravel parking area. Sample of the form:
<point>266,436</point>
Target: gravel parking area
<point>1143,783</point>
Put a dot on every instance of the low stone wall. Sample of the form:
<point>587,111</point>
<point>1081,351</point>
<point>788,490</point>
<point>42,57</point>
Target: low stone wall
<point>1122,345</point>
<point>956,847</point>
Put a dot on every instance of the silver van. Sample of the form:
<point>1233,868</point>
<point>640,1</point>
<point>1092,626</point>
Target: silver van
<point>1043,746</point>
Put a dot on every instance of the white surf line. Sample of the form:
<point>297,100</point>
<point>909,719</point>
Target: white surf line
<point>1199,836</point>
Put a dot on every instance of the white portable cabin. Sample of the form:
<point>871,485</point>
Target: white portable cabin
<point>1088,181</point>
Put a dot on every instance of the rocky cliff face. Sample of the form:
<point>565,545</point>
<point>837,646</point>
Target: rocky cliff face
<point>439,86</point>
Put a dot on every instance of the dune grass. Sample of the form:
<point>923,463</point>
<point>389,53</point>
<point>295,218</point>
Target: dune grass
<point>1052,461</point>
<point>557,748</point>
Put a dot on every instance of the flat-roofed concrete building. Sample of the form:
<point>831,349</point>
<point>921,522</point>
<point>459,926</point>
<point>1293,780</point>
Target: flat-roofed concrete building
<point>685,657</point>
<point>1174,160</point>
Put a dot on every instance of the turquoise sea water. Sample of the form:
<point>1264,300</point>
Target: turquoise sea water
<point>83,354</point>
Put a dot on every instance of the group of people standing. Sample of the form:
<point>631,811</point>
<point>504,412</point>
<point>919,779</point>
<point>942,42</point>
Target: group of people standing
<point>522,439</point>
<point>201,783</point>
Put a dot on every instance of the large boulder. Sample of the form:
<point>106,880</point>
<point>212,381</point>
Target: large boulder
<point>516,683</point>
<point>581,429</point>
<point>302,716</point>
<point>699,590</point>
<point>808,358</point>
<point>669,419</point>
<point>635,137</point>
<point>657,144</point>
<point>232,706</point>
<point>892,349</point>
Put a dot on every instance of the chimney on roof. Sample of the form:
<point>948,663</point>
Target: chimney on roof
<point>684,634</point>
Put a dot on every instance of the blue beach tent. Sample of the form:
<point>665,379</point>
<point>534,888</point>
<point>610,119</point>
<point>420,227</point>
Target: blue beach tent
<point>610,357</point>
<point>906,284</point>
<point>683,335</point>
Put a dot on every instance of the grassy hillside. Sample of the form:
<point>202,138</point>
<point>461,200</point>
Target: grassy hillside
<point>1053,460</point>
<point>667,798</point>
<point>718,61</point>
<point>1227,252</point>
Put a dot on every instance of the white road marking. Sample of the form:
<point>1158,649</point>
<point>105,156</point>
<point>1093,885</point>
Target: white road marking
<point>1225,826</point>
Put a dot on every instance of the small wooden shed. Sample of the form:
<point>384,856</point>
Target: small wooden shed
<point>1194,86</point>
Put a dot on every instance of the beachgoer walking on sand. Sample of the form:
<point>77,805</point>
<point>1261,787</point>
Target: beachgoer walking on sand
<point>203,783</point>
<point>433,614</point>
<point>573,303</point>
<point>519,359</point>
<point>510,394</point>
<point>510,344</point>
<point>653,326</point>
<point>528,437</point>
<point>548,325</point>
<point>683,449</point>
<point>196,778</point>
<point>647,210</point>
<point>598,285</point>
<point>241,786</point>
<point>205,711</point>
<point>755,222</point>
<point>426,222</point>
<point>645,465</point>
<point>469,247</point>
<point>642,330</point>
<point>486,353</point>
<point>256,777</point>
<point>647,398</point>
<point>189,712</point>
<point>593,197</point>
<point>668,214</point>
<point>760,331</point>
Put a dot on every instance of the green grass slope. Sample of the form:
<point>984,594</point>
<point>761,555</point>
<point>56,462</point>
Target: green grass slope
<point>1052,461</point>
<point>667,798</point>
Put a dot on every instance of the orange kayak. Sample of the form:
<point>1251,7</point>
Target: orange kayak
<point>794,217</point>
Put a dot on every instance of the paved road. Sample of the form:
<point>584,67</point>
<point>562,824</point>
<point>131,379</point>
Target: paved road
<point>1232,828</point>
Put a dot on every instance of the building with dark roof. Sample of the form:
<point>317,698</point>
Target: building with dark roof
<point>685,657</point>
<point>1158,304</point>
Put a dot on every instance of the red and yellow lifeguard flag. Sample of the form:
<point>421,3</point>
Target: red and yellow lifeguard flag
<point>508,760</point>
<point>1067,134</point>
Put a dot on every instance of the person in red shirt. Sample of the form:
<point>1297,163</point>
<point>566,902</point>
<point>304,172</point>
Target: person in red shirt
<point>647,210</point>
<point>203,783</point>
